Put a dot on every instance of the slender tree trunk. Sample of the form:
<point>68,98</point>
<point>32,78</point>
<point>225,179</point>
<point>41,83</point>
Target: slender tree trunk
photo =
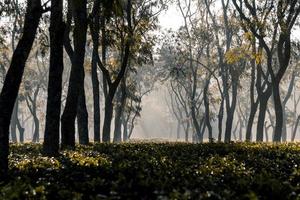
<point>103,52</point>
<point>36,135</point>
<point>195,122</point>
<point>21,131</point>
<point>13,78</point>
<point>53,110</point>
<point>200,138</point>
<point>96,99</point>
<point>108,111</point>
<point>250,121</point>
<point>253,103</point>
<point>284,103</point>
<point>82,118</point>
<point>295,128</point>
<point>230,112</point>
<point>267,131</point>
<point>278,113</point>
<point>284,128</point>
<point>235,129</point>
<point>187,128</point>
<point>119,112</point>
<point>77,74</point>
<point>284,54</point>
<point>220,120</point>
<point>207,111</point>
<point>13,126</point>
<point>125,129</point>
<point>241,129</point>
<point>95,29</point>
<point>113,85</point>
<point>263,102</point>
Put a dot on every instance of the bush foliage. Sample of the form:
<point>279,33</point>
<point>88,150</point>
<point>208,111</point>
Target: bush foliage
<point>156,171</point>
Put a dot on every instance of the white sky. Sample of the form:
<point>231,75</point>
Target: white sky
<point>171,19</point>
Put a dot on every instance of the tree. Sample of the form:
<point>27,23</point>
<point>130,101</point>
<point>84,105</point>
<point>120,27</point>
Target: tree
<point>283,16</point>
<point>13,77</point>
<point>95,30</point>
<point>51,137</point>
<point>113,84</point>
<point>76,82</point>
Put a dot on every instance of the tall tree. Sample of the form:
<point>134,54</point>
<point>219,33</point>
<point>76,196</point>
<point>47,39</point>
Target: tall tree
<point>284,15</point>
<point>13,77</point>
<point>113,84</point>
<point>95,30</point>
<point>76,82</point>
<point>51,137</point>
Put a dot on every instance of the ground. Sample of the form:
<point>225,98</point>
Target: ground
<point>156,171</point>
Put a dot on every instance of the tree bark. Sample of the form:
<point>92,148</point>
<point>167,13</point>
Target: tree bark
<point>82,118</point>
<point>36,135</point>
<point>108,111</point>
<point>13,78</point>
<point>263,102</point>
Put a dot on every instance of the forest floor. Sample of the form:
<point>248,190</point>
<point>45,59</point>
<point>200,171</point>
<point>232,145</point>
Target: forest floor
<point>156,171</point>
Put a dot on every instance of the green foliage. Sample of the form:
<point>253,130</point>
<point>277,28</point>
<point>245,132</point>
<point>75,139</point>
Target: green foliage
<point>156,171</point>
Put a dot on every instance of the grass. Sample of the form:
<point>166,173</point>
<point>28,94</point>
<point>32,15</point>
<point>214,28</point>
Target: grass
<point>156,171</point>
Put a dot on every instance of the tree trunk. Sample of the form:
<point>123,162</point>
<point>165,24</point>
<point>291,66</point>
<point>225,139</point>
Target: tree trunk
<point>278,113</point>
<point>53,110</point>
<point>77,74</point>
<point>220,120</point>
<point>207,111</point>
<point>195,121</point>
<point>295,128</point>
<point>95,29</point>
<point>108,111</point>
<point>253,103</point>
<point>241,129</point>
<point>230,111</point>
<point>187,132</point>
<point>13,78</point>
<point>13,126</point>
<point>113,85</point>
<point>36,135</point>
<point>119,111</point>
<point>263,102</point>
<point>125,129</point>
<point>21,131</point>
<point>253,110</point>
<point>82,118</point>
<point>96,99</point>
<point>284,128</point>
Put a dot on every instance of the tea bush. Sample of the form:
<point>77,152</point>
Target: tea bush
<point>156,171</point>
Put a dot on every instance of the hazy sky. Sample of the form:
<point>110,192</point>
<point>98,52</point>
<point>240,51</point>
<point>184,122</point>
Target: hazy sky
<point>171,19</point>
